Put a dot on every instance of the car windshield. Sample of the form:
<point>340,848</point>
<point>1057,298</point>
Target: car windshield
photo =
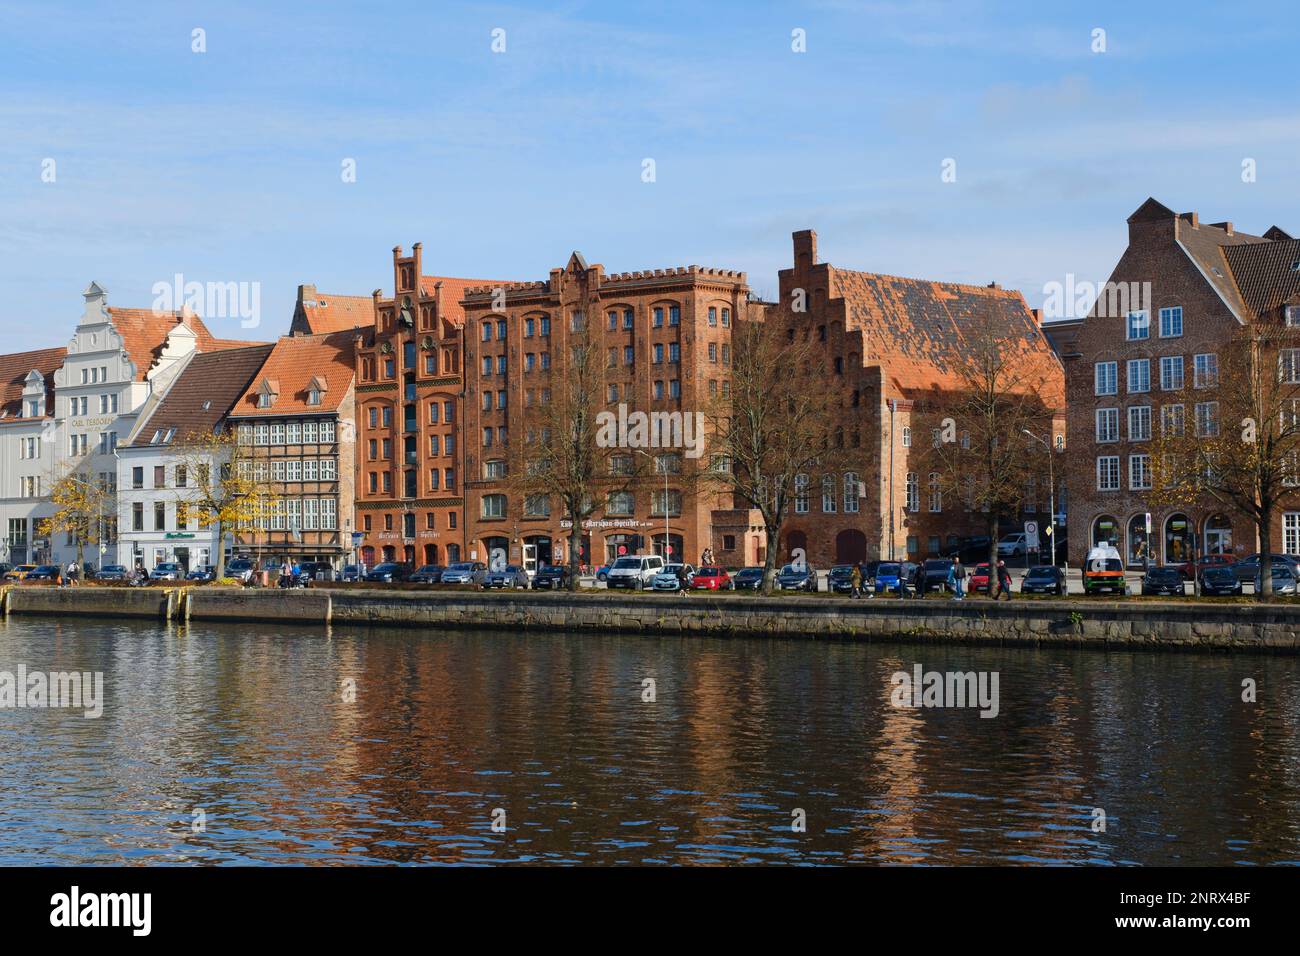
<point>1164,574</point>
<point>887,570</point>
<point>1041,573</point>
<point>749,572</point>
<point>429,567</point>
<point>385,568</point>
<point>1012,539</point>
<point>623,563</point>
<point>112,567</point>
<point>937,565</point>
<point>791,569</point>
<point>1219,574</point>
<point>239,564</point>
<point>461,567</point>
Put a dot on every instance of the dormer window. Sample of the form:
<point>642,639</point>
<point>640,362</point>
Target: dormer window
<point>316,389</point>
<point>1293,315</point>
<point>265,400</point>
<point>267,392</point>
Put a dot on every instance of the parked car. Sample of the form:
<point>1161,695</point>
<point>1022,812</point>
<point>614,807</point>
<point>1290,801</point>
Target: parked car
<point>43,572</point>
<point>205,573</point>
<point>1044,579</point>
<point>351,572</point>
<point>979,579</point>
<point>667,579</point>
<point>1104,571</point>
<point>317,570</point>
<point>390,572</point>
<point>712,578</point>
<point>1220,580</point>
<point>465,572</point>
<point>20,572</point>
<point>792,578</point>
<point>551,577</point>
<point>511,576</point>
<point>634,571</point>
<point>1164,580</point>
<point>1247,569</point>
<point>428,574</point>
<point>241,569</point>
<point>1013,545</point>
<point>602,572</point>
<point>747,579</point>
<point>888,572</point>
<point>167,571</point>
<point>111,572</point>
<point>5,568</point>
<point>1285,580</point>
<point>1206,561</point>
<point>935,574</point>
<point>839,580</point>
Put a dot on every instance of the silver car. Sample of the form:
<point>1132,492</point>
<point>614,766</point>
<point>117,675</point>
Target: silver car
<point>511,576</point>
<point>467,572</point>
<point>666,580</point>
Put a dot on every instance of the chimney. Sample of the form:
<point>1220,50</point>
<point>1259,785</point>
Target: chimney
<point>1038,316</point>
<point>1191,217</point>
<point>805,249</point>
<point>1225,226</point>
<point>994,285</point>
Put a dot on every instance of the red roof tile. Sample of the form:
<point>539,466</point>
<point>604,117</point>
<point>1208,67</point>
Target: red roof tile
<point>293,363</point>
<point>144,332</point>
<point>14,369</point>
<point>319,313</point>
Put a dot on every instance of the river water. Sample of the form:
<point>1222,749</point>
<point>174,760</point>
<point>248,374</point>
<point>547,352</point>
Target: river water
<point>259,744</point>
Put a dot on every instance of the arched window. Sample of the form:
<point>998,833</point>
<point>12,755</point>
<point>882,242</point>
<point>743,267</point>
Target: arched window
<point>1178,539</point>
<point>828,495</point>
<point>1105,532</point>
<point>800,494</point>
<point>1139,544</point>
<point>851,492</point>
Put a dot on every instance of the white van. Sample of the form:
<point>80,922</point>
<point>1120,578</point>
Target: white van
<point>634,571</point>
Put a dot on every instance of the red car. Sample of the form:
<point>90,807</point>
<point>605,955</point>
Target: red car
<point>712,579</point>
<point>979,579</point>
<point>1206,561</point>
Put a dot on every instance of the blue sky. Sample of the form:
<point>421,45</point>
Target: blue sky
<point>225,166</point>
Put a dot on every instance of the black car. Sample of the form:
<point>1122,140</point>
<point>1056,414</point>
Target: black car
<point>1164,580</point>
<point>428,574</point>
<point>1247,569</point>
<point>317,571</point>
<point>111,572</point>
<point>389,572</point>
<point>1044,579</point>
<point>1217,581</point>
<point>934,574</point>
<point>551,577</point>
<point>748,579</point>
<point>44,572</point>
<point>797,578</point>
<point>840,579</point>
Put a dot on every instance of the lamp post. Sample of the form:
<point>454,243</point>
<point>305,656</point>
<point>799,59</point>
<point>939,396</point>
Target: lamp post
<point>1051,489</point>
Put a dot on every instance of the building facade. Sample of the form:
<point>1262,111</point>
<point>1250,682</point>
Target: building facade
<point>1146,359</point>
<point>666,338</point>
<point>296,425</point>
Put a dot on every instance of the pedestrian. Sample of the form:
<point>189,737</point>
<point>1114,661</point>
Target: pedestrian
<point>903,592</point>
<point>682,583</point>
<point>1004,581</point>
<point>958,577</point>
<point>855,582</point>
<point>72,573</point>
<point>285,572</point>
<point>918,581</point>
<point>869,578</point>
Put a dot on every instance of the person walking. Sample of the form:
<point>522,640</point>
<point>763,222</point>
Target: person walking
<point>918,581</point>
<point>682,584</point>
<point>869,579</point>
<point>1004,581</point>
<point>903,592</point>
<point>72,573</point>
<point>855,582</point>
<point>285,572</point>
<point>957,575</point>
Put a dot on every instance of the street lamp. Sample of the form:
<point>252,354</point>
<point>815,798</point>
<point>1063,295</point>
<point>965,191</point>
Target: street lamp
<point>1051,489</point>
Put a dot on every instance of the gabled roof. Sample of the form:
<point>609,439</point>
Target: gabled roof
<point>1266,273</point>
<point>202,394</point>
<point>1205,246</point>
<point>1151,211</point>
<point>290,367</point>
<point>915,329</point>
<point>144,333</point>
<point>320,313</point>
<point>14,369</point>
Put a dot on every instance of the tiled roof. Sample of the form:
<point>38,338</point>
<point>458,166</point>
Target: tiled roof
<point>292,364</point>
<point>1266,273</point>
<point>15,367</point>
<point>1206,244</point>
<point>453,290</point>
<point>203,393</point>
<point>144,332</point>
<point>916,328</point>
<point>319,313</point>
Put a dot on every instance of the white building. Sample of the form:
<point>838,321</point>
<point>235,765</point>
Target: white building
<point>74,407</point>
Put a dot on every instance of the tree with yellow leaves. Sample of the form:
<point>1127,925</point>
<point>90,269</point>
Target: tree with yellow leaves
<point>85,508</point>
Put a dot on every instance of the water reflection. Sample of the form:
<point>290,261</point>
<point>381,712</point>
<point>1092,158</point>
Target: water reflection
<point>254,729</point>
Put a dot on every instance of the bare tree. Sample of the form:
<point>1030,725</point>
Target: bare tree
<point>1241,449</point>
<point>980,448</point>
<point>770,428</point>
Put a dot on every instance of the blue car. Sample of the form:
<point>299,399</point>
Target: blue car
<point>888,572</point>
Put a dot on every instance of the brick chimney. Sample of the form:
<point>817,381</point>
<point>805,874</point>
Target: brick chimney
<point>805,250</point>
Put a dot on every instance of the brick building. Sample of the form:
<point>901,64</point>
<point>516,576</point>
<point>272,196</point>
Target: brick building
<point>298,419</point>
<point>887,344</point>
<point>667,334</point>
<point>409,411</point>
<point>1146,358</point>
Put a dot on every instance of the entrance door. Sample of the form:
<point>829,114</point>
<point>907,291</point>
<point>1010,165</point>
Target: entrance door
<point>537,552</point>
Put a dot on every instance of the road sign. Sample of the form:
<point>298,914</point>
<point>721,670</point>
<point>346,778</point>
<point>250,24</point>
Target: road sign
<point>1031,535</point>
<point>1147,516</point>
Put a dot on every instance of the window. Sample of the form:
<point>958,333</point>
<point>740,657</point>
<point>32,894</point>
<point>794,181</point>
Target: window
<point>713,316</point>
<point>620,503</point>
<point>913,492</point>
<point>1139,375</point>
<point>935,493</point>
<point>1205,371</point>
<point>1171,322</point>
<point>674,352</point>
<point>1171,421</point>
<point>801,494</point>
<point>666,503</point>
<point>1171,373</point>
<point>1106,378</point>
<point>675,389</point>
<point>907,436</point>
<point>494,469</point>
<point>1139,472</point>
<point>1207,419</point>
<point>1291,532</point>
<point>851,489</point>
<point>137,516</point>
<point>1139,423</point>
<point>137,477</point>
<point>658,320</point>
<point>487,331</point>
<point>629,355</point>
<point>1292,318</point>
<point>160,516</point>
<point>1138,325</point>
<point>1107,424</point>
<point>829,495</point>
<point>675,315</point>
<point>1108,473</point>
